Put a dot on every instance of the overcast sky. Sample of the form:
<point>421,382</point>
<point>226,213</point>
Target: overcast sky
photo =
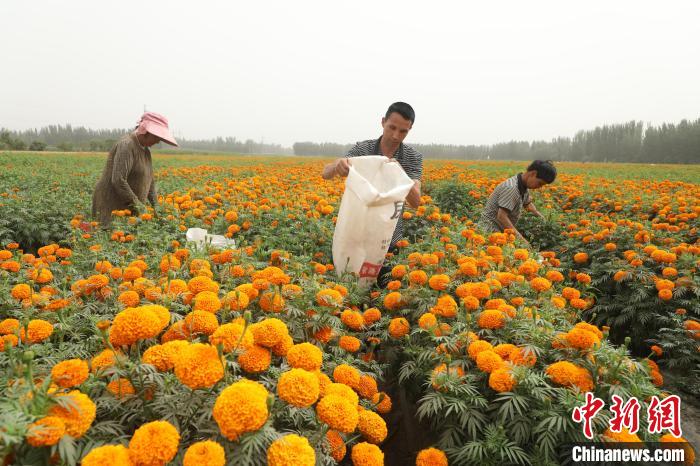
<point>476,73</point>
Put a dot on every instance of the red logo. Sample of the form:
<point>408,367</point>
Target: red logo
<point>370,270</point>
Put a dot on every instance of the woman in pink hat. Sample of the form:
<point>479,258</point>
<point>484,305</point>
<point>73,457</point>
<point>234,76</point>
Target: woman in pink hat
<point>127,180</point>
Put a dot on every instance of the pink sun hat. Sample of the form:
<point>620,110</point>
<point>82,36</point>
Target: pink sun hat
<point>157,125</point>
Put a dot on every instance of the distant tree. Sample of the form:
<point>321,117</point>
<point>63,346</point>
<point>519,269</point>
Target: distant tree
<point>65,146</point>
<point>37,146</point>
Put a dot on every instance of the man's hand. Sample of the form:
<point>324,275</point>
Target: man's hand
<point>341,167</point>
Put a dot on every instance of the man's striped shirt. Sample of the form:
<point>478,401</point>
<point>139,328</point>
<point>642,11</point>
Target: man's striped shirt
<point>507,196</point>
<point>410,160</point>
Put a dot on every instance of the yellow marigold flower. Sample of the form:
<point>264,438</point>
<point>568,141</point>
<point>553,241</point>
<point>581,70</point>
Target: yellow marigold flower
<point>269,332</point>
<point>291,450</point>
<point>501,380</point>
<point>590,328</point>
<point>298,387</point>
<point>439,282</point>
<point>372,426</point>
<point>249,290</point>
<point>341,390</point>
<point>398,327</point>
<point>205,453</point>
<point>21,291</point>
<point>367,387</point>
<point>567,374</point>
<point>281,348</point>
<point>199,366</point>
<point>491,319</point>
<point>46,431</point>
<point>154,443</point>
<point>255,359</point>
<point>349,343</point>
<point>201,322</point>
<point>207,301</point>
<point>367,454</point>
<point>382,402</point>
<point>477,347</point>
<point>112,455</point>
<point>70,373</point>
<point>344,373</point>
<point>433,456</point>
<point>121,388</point>
<point>240,408</point>
<point>37,331</point>
<point>305,356</point>
<point>352,319</point>
<point>231,335</point>
<point>236,300</point>
<point>76,410</point>
<point>9,326</point>
<point>133,324</point>
<point>337,445</point>
<point>338,413</point>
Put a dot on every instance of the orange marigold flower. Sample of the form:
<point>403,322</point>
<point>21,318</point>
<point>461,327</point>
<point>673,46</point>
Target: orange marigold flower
<point>431,457</point>
<point>76,410</point>
<point>488,361</point>
<point>352,319</point>
<point>9,326</point>
<point>417,277</point>
<point>298,387</point>
<point>367,454</point>
<point>393,301</point>
<point>154,443</point>
<point>207,301</point>
<point>501,380</point>
<point>269,332</point>
<point>305,356</point>
<point>46,431</point>
<point>329,297</point>
<point>37,331</point>
<point>581,258</point>
<point>349,343</point>
<point>133,324</point>
<point>476,347</point>
<point>382,402</point>
<point>439,282</point>
<point>540,284</point>
<point>346,374</point>
<point>129,298</point>
<point>399,327</point>
<point>291,450</point>
<point>114,455</point>
<point>680,442</point>
<point>367,387</point>
<point>337,445</point>
<point>491,319</point>
<point>581,339</point>
<point>371,315</point>
<point>568,374</point>
<point>70,373</point>
<point>339,413</point>
<point>121,388</point>
<point>240,408</point>
<point>522,357</point>
<point>255,359</point>
<point>199,366</point>
<point>372,426</point>
<point>21,291</point>
<point>204,453</point>
<point>202,322</point>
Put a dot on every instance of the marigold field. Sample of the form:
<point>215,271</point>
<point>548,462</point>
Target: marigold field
<point>128,347</point>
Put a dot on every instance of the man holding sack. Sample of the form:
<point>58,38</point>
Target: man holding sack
<point>396,124</point>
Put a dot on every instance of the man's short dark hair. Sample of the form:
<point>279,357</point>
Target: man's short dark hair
<point>403,109</point>
<point>545,170</point>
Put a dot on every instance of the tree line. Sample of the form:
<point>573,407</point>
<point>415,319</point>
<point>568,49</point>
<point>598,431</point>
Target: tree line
<point>625,142</point>
<point>69,138</point>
